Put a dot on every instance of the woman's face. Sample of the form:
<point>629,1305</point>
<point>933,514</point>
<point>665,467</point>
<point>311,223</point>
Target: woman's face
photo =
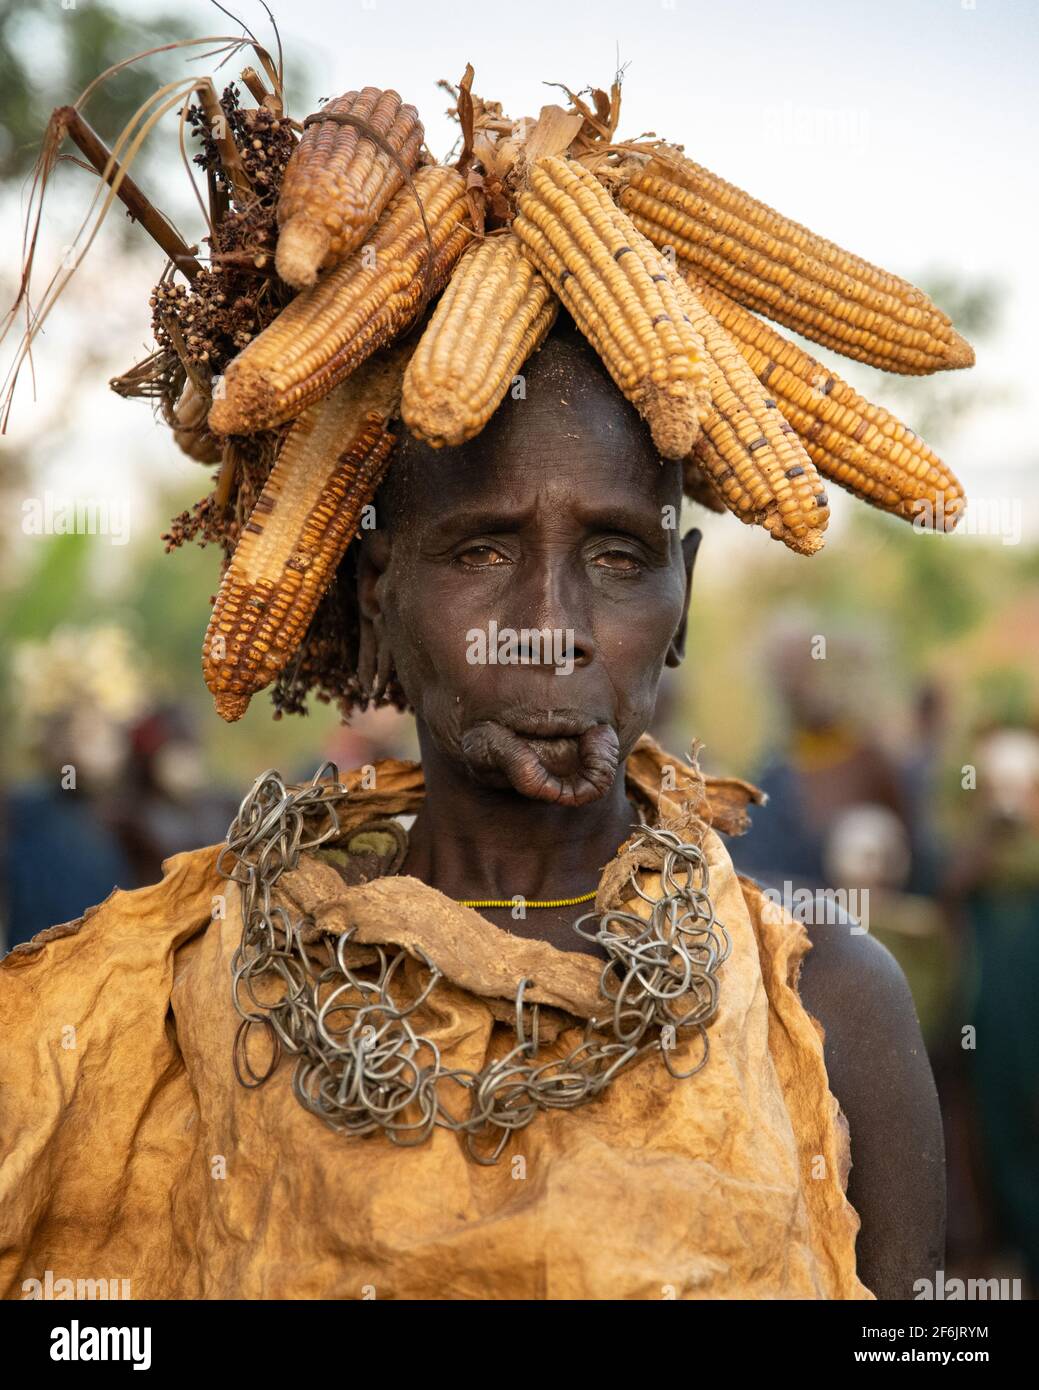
<point>532,583</point>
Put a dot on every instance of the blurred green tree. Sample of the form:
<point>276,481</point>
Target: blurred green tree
<point>48,55</point>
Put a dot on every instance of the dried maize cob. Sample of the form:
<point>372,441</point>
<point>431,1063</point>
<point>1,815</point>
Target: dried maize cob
<point>855,444</point>
<point>750,454</point>
<point>338,181</point>
<point>494,313</point>
<point>611,281</point>
<point>326,332</point>
<point>329,467</point>
<point>783,270</point>
<point>189,427</point>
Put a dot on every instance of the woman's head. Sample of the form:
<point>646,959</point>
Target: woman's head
<point>529,587</point>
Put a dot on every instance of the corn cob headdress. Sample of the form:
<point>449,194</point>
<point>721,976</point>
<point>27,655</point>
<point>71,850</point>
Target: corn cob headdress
<point>317,326</point>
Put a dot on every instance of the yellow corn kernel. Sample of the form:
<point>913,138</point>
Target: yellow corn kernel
<point>698,487</point>
<point>750,454</point>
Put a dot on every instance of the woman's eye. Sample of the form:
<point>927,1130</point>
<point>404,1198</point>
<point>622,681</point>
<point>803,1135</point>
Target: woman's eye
<point>620,560</point>
<point>481,556</point>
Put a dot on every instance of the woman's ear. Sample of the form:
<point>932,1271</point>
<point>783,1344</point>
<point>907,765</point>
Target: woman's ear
<point>372,559</point>
<point>374,663</point>
<point>690,546</point>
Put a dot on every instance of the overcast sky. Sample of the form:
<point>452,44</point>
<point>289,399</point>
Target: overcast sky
<point>903,129</point>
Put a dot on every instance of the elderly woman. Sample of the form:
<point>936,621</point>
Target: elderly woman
<point>541,1043</point>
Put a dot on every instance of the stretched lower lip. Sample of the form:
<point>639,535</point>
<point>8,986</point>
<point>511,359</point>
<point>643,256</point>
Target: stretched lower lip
<point>571,770</point>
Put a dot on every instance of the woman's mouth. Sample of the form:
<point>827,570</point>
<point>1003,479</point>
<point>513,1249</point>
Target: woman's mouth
<point>562,757</point>
<point>553,736</point>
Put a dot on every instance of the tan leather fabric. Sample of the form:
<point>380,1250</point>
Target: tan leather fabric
<point>130,1151</point>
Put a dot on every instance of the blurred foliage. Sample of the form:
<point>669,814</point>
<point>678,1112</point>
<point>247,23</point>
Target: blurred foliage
<point>49,54</point>
<point>1006,695</point>
<point>163,601</point>
<point>55,591</point>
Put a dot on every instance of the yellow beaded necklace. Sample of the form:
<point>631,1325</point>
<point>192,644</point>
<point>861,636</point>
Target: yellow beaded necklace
<point>527,902</point>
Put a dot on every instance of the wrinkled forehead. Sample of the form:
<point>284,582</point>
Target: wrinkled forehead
<point>564,435</point>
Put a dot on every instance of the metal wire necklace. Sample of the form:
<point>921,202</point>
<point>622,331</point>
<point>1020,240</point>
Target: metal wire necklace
<point>360,1064</point>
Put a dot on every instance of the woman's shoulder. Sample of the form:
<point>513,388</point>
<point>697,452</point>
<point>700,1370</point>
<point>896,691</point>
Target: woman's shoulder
<point>879,1070</point>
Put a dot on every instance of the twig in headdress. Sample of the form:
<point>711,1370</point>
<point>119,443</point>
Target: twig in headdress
<point>93,148</point>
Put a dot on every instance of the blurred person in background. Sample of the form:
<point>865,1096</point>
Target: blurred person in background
<point>76,693</point>
<point>920,765</point>
<point>850,822</point>
<point>371,735</point>
<point>113,783</point>
<point>835,792</point>
<point>992,895</point>
<point>164,802</point>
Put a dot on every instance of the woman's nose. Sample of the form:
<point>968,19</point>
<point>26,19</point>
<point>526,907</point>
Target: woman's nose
<point>550,599</point>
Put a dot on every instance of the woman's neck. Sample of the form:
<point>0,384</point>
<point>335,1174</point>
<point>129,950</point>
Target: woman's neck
<point>478,842</point>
